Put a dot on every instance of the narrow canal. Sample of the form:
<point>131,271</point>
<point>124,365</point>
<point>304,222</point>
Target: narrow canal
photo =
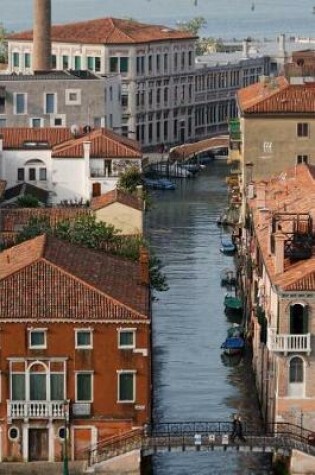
<point>191,380</point>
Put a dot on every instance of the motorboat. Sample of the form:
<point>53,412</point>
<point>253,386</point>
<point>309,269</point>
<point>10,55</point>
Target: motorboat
<point>159,184</point>
<point>233,303</point>
<point>233,345</point>
<point>227,246</point>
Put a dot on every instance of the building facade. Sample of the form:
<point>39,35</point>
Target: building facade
<point>60,99</point>
<point>276,126</point>
<point>71,166</point>
<point>75,352</point>
<point>156,65</point>
<point>278,278</point>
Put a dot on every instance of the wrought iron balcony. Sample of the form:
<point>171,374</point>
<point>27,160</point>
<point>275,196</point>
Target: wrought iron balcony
<point>287,343</point>
<point>36,410</point>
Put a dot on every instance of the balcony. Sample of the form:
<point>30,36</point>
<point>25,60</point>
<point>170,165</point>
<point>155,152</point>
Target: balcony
<point>288,343</point>
<point>36,410</point>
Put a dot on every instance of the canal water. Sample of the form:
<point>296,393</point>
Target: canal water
<point>192,382</point>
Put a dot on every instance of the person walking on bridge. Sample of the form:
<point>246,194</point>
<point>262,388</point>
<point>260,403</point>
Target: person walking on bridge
<point>237,429</point>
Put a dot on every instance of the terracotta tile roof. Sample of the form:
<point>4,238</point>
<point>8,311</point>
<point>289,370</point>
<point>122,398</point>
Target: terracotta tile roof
<point>14,137</point>
<point>115,196</point>
<point>291,192</point>
<point>251,95</point>
<point>189,150</point>
<point>280,98</point>
<point>48,278</point>
<point>108,31</point>
<point>13,219</point>
<point>104,143</point>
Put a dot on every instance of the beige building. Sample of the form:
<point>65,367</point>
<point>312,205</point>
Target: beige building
<point>122,210</point>
<point>280,283</point>
<point>276,128</point>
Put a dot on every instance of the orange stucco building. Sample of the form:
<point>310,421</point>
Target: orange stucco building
<point>75,348</point>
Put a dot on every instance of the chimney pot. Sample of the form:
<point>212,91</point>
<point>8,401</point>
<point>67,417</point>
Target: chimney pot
<point>279,252</point>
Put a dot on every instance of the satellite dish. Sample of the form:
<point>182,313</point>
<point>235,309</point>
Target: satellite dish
<point>75,129</point>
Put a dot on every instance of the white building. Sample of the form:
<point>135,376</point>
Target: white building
<point>156,65</point>
<point>71,168</point>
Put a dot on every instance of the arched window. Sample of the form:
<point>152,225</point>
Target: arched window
<point>296,370</point>
<point>38,382</point>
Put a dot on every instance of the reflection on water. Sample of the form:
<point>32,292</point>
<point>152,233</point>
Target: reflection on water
<point>192,381</point>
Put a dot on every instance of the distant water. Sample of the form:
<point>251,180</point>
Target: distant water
<point>225,18</point>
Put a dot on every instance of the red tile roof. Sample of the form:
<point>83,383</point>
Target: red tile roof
<point>14,137</point>
<point>48,278</point>
<point>108,31</point>
<point>13,219</point>
<point>277,97</point>
<point>116,196</point>
<point>291,192</point>
<point>104,142</point>
<point>183,152</point>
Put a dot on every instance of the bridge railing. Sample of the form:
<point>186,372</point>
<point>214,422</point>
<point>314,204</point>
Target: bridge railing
<point>201,435</point>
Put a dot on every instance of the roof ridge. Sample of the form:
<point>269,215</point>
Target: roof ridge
<point>91,287</point>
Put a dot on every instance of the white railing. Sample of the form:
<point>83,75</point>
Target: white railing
<point>36,409</point>
<point>288,343</point>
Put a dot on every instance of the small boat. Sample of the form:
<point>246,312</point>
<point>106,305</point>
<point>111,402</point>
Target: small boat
<point>233,345</point>
<point>227,246</point>
<point>228,278</point>
<point>170,170</point>
<point>235,330</point>
<point>159,184</point>
<point>233,303</point>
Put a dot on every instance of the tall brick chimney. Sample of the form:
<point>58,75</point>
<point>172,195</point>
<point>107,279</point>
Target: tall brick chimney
<point>42,35</point>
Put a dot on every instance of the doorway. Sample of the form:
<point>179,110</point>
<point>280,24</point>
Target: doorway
<point>38,445</point>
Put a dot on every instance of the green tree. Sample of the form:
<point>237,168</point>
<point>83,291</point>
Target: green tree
<point>193,26</point>
<point>129,180</point>
<point>3,45</point>
<point>28,201</point>
<point>87,232</point>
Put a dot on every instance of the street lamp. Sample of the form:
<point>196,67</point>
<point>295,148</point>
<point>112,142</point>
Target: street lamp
<point>65,440</point>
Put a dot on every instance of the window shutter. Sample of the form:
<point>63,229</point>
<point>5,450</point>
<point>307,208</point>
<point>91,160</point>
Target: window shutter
<point>305,319</point>
<point>291,319</point>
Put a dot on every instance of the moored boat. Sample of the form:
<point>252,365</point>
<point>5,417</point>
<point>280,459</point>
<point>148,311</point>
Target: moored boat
<point>233,303</point>
<point>159,184</point>
<point>227,246</point>
<point>233,345</point>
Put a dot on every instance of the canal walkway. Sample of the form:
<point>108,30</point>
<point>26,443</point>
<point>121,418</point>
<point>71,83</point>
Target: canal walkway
<point>192,381</point>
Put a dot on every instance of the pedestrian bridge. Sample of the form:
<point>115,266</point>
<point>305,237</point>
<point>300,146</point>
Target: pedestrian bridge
<point>279,438</point>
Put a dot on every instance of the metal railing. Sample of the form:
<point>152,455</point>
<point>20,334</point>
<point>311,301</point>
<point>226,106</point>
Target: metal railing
<point>204,436</point>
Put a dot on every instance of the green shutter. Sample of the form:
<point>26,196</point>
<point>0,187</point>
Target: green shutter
<point>57,387</point>
<point>18,387</point>
<point>38,387</point>
<point>305,319</point>
<point>126,387</point>
<point>291,320</point>
<point>84,389</point>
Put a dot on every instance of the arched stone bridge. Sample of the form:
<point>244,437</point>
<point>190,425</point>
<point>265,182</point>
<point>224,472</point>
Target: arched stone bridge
<point>189,150</point>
